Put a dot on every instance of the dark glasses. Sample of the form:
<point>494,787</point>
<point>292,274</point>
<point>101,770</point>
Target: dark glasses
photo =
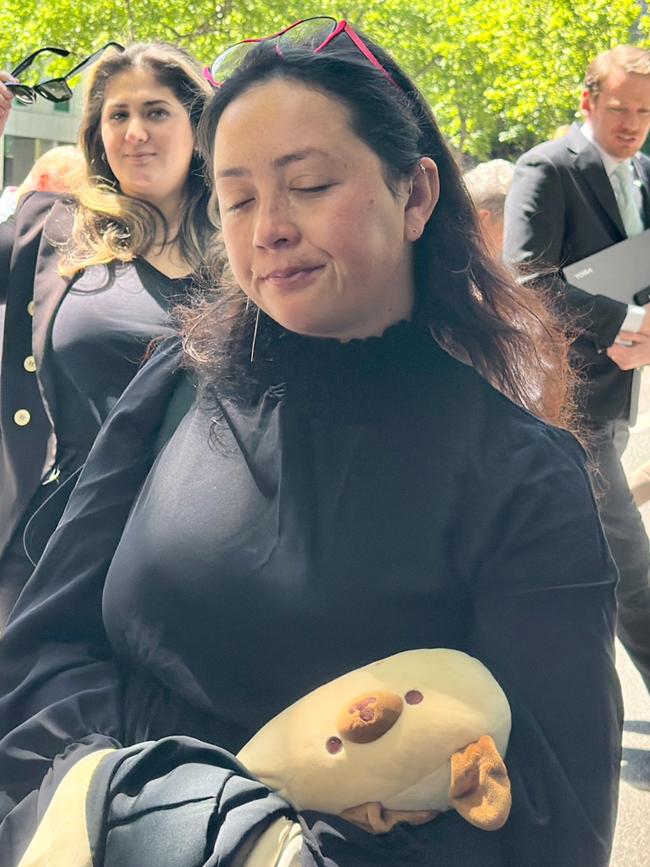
<point>315,33</point>
<point>25,93</point>
<point>54,89</point>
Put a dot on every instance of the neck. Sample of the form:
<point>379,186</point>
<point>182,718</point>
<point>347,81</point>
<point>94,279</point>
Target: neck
<point>171,209</point>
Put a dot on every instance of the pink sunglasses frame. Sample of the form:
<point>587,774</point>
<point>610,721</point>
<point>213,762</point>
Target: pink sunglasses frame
<point>341,27</point>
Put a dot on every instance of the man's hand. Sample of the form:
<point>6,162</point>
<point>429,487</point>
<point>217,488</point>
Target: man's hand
<point>635,355</point>
<point>5,99</point>
<point>645,327</point>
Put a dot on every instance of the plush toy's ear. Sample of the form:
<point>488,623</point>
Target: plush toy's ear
<point>375,820</point>
<point>480,786</point>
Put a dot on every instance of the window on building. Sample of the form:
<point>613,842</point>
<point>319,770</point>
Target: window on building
<point>20,155</point>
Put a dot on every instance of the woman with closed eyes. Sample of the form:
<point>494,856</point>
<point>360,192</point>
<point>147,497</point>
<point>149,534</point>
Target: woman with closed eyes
<point>355,447</point>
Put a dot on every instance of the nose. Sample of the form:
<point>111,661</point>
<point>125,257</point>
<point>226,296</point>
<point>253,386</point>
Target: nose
<point>369,716</point>
<point>136,130</point>
<point>275,226</point>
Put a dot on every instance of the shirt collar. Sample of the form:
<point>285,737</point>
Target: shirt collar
<point>610,163</point>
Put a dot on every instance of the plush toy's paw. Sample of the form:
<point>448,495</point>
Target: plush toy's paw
<point>480,786</point>
<point>372,817</point>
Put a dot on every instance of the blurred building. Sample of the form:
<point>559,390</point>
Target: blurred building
<point>32,130</point>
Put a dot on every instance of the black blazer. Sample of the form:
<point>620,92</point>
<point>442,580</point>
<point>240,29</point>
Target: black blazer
<point>561,208</point>
<point>31,288</point>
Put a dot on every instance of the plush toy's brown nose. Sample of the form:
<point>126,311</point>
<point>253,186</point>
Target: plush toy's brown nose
<point>369,716</point>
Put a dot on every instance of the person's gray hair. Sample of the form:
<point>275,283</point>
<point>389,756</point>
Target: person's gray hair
<point>488,185</point>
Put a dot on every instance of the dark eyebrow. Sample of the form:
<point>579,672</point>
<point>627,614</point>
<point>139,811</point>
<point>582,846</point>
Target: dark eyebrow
<point>279,163</point>
<point>148,103</point>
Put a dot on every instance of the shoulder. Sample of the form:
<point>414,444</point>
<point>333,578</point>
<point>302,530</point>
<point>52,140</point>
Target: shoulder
<point>152,385</point>
<point>538,172</point>
<point>555,154</point>
<point>498,431</point>
<point>38,206</point>
<point>548,152</point>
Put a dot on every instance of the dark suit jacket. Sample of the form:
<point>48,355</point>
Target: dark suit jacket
<point>28,273</point>
<point>561,208</point>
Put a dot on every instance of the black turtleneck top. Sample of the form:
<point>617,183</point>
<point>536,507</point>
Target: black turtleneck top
<point>369,497</point>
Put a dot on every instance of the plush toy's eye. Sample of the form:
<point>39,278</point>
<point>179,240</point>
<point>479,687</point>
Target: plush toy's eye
<point>413,696</point>
<point>334,745</point>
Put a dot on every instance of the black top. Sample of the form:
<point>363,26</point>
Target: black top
<point>374,496</point>
<point>98,339</point>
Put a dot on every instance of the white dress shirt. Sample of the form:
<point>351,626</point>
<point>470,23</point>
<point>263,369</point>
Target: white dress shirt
<point>635,314</point>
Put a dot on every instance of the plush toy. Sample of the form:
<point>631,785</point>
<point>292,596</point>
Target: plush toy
<point>399,740</point>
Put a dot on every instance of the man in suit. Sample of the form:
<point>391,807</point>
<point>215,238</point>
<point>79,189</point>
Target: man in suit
<point>570,198</point>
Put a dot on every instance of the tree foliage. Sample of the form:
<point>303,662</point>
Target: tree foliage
<point>499,76</point>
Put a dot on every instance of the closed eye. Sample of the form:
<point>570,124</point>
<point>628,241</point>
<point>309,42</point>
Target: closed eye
<point>321,188</point>
<point>238,206</point>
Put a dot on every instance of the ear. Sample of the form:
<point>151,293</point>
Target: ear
<point>586,103</point>
<point>42,182</point>
<point>423,194</point>
<point>480,787</point>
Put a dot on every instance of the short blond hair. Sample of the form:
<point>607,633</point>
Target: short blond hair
<point>488,185</point>
<point>59,170</point>
<point>628,58</point>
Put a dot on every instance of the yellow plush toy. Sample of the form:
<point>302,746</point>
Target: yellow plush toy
<point>399,740</point>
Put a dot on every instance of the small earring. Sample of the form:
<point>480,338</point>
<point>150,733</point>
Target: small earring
<point>257,322</point>
<point>422,168</point>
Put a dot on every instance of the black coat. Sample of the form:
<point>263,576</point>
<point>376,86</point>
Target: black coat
<point>31,288</point>
<point>561,208</point>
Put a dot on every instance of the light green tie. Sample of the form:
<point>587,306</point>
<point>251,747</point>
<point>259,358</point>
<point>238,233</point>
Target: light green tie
<point>622,187</point>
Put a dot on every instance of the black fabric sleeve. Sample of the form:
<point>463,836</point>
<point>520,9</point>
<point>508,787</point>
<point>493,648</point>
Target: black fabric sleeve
<point>534,242</point>
<point>544,616</point>
<point>20,237</point>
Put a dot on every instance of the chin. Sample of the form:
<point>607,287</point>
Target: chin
<point>308,325</point>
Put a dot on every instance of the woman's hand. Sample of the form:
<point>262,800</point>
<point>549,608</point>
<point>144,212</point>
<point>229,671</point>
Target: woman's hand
<point>635,355</point>
<point>5,99</point>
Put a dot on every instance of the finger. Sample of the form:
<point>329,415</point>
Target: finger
<point>617,355</point>
<point>633,337</point>
<point>628,362</point>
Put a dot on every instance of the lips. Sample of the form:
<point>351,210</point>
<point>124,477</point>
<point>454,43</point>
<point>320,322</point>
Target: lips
<point>291,273</point>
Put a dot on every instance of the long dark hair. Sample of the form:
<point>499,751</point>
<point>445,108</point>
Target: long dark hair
<point>471,304</point>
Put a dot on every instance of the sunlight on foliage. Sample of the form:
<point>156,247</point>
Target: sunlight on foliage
<point>499,76</point>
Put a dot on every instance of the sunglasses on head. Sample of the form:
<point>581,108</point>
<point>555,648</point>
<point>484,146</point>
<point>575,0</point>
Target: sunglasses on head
<point>54,89</point>
<point>315,33</point>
